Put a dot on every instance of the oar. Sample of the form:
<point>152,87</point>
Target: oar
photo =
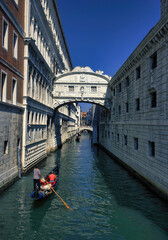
<point>56,193</point>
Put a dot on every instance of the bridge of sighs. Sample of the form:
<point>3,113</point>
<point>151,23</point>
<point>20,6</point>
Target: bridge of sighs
<point>82,85</point>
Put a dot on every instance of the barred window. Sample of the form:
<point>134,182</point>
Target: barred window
<point>71,88</point>
<point>151,149</point>
<point>125,140</point>
<point>136,143</point>
<point>93,89</point>
<point>153,61</point>
<point>153,99</point>
<point>138,72</point>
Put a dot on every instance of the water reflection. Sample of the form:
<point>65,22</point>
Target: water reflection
<point>129,192</point>
<point>107,202</point>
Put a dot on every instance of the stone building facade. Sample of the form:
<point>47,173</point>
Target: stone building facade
<point>33,51</point>
<point>45,55</point>
<point>11,88</point>
<point>136,128</point>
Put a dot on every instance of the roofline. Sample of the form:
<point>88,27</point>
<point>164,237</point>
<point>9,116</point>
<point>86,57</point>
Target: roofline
<point>61,28</point>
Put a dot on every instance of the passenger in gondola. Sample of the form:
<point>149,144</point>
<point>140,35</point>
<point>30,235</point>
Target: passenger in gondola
<point>51,178</point>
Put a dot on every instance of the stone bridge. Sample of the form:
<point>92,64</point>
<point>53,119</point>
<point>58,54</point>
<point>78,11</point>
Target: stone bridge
<point>89,128</point>
<point>82,85</point>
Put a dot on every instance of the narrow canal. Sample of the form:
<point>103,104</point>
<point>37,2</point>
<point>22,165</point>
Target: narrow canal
<point>107,202</point>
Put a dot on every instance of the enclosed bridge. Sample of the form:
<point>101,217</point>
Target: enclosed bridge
<point>82,85</point>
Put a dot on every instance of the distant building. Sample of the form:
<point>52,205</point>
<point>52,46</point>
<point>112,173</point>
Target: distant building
<point>89,116</point>
<point>83,118</point>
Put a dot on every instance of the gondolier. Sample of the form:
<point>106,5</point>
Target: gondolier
<point>36,177</point>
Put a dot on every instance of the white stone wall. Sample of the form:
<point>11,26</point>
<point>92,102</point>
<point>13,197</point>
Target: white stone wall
<point>46,54</point>
<point>139,138</point>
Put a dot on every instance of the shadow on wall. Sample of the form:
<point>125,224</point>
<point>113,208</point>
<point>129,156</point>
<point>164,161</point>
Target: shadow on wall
<point>58,138</point>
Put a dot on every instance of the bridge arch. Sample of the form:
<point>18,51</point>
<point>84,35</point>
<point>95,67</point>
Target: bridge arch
<point>82,85</point>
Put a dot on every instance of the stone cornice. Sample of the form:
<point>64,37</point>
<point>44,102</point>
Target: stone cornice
<point>63,35</point>
<point>13,69</point>
<point>84,70</point>
<point>39,13</point>
<point>36,105</point>
<point>12,106</point>
<point>153,37</point>
<point>31,42</point>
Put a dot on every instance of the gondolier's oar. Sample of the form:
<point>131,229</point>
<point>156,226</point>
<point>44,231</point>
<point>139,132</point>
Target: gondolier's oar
<point>56,193</point>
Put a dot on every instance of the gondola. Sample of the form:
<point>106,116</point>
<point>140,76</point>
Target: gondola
<point>77,138</point>
<point>45,189</point>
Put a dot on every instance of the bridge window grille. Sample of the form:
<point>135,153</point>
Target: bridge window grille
<point>136,143</point>
<point>108,134</point>
<point>153,61</point>
<point>93,89</point>
<point>138,72</point>
<point>151,149</point>
<point>114,91</point>
<point>71,88</point>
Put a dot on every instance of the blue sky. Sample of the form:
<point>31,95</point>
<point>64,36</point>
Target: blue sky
<point>102,34</point>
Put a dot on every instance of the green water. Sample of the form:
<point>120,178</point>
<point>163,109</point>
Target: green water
<point>107,202</point>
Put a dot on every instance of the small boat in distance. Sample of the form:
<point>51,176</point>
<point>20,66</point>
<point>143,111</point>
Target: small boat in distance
<point>45,188</point>
<point>77,138</point>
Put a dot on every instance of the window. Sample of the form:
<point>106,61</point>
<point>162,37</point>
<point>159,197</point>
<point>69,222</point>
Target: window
<point>153,61</point>
<point>126,107</point>
<point>3,86</point>
<point>127,82</point>
<point>15,45</point>
<point>112,134</point>
<point>5,147</point>
<point>138,72</point>
<point>16,1</point>
<point>93,89</point>
<point>153,99</point>
<point>136,143</point>
<point>14,91</point>
<point>118,137</point>
<point>151,149</point>
<point>119,87</point>
<point>119,109</point>
<point>125,140</point>
<point>137,104</point>
<point>5,29</point>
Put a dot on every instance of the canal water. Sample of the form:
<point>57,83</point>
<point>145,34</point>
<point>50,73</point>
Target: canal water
<point>107,202</point>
